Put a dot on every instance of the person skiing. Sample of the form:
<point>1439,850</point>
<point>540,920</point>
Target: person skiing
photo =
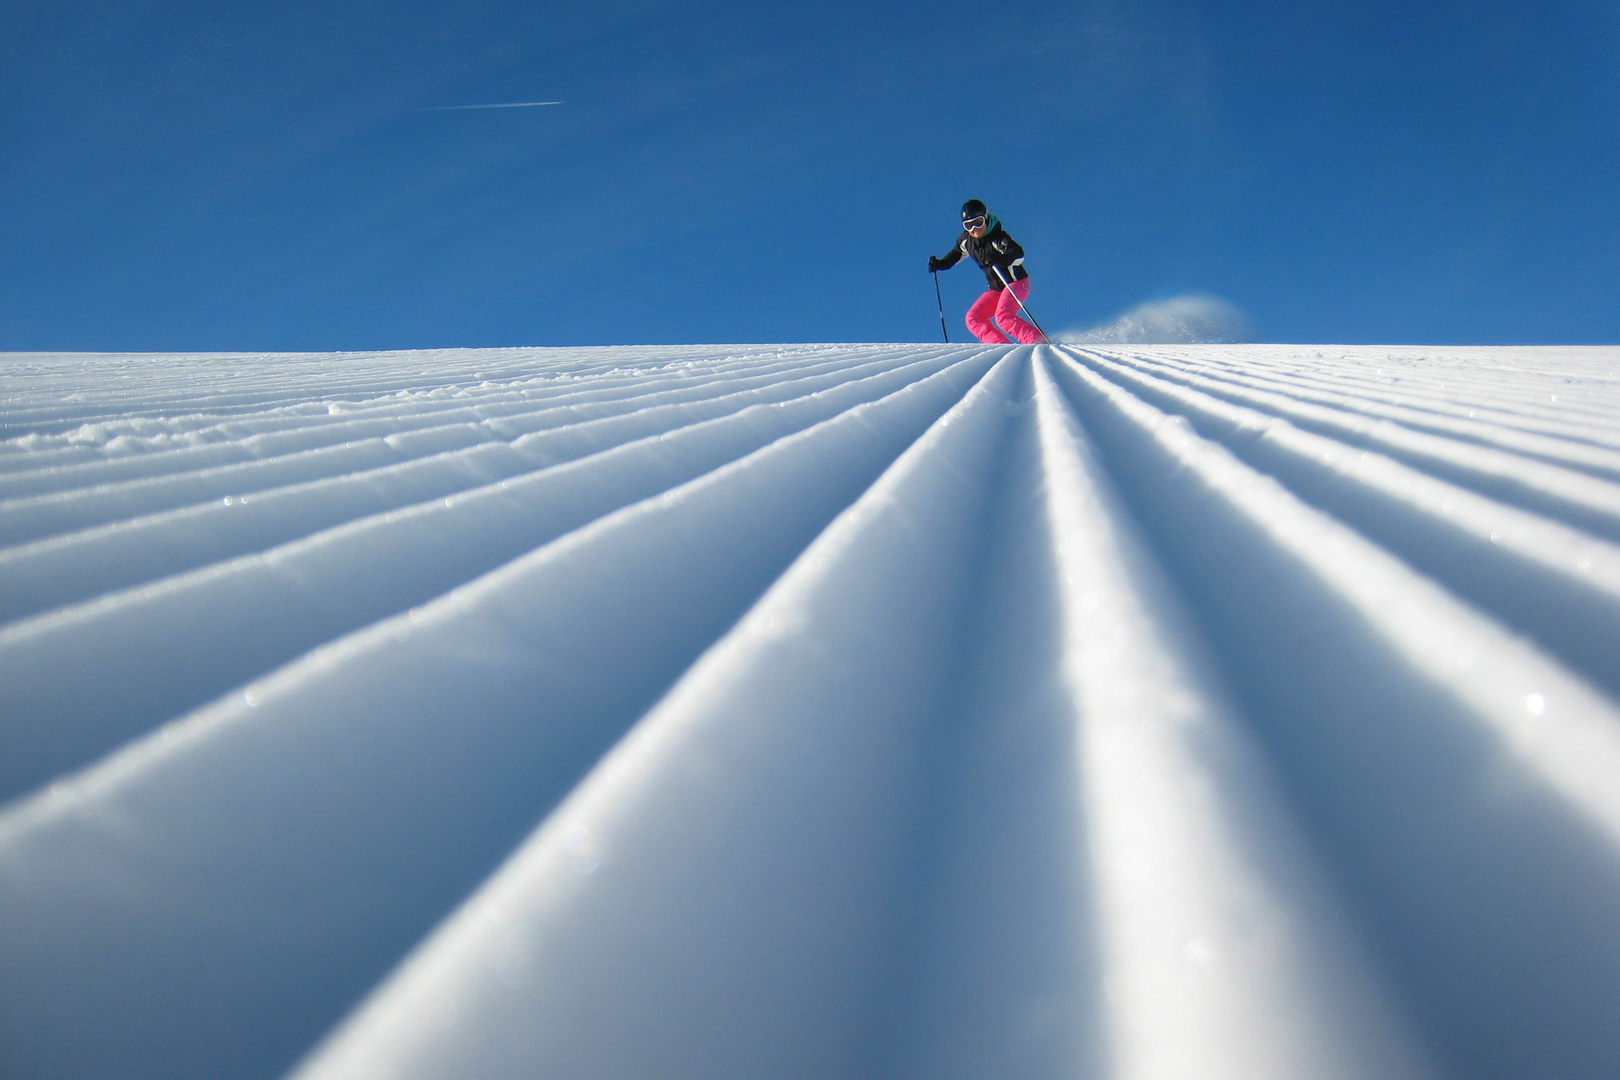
<point>994,315</point>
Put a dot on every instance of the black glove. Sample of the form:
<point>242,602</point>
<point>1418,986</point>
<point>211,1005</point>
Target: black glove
<point>933,264</point>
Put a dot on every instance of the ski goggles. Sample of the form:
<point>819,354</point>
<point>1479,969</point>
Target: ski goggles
<point>975,223</point>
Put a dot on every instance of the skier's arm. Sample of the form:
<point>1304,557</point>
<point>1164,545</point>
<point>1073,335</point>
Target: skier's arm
<point>950,260</point>
<point>1008,253</point>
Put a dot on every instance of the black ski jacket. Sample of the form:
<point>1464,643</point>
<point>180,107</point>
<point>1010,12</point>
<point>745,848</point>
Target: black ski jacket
<point>995,248</point>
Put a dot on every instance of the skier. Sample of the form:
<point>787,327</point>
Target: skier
<point>994,315</point>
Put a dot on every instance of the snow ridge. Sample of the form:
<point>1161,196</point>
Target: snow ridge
<point>927,711</point>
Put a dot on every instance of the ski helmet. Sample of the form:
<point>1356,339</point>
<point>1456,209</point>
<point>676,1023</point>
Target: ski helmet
<point>973,208</point>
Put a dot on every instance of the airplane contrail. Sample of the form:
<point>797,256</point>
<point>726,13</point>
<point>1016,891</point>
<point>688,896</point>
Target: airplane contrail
<point>504,105</point>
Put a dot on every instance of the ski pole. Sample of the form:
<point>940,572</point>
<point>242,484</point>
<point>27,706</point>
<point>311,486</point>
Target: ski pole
<point>942,329</point>
<point>1021,306</point>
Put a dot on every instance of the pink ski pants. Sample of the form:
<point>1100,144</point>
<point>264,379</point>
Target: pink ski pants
<point>995,315</point>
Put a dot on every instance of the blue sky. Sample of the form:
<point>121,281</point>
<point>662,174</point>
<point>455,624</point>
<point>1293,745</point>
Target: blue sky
<point>199,176</point>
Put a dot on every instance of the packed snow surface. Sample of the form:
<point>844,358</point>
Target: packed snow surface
<point>1128,712</point>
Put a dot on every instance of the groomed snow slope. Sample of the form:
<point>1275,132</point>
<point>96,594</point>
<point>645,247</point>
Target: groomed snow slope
<point>1148,713</point>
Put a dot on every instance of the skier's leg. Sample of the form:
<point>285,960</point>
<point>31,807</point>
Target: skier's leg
<point>979,318</point>
<point>1007,316</point>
